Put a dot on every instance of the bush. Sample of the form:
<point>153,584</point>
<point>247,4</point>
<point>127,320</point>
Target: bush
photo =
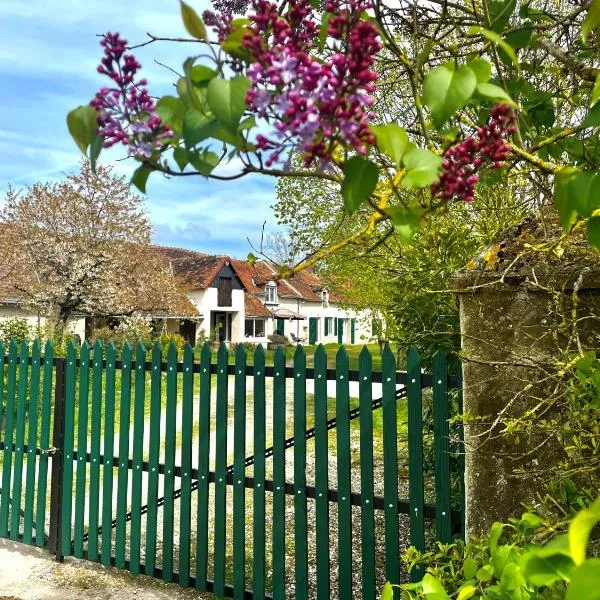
<point>281,340</point>
<point>15,328</point>
<point>528,558</point>
<point>134,329</point>
<point>166,339</point>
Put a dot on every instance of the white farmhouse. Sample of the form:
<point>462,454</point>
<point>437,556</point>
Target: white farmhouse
<point>240,302</point>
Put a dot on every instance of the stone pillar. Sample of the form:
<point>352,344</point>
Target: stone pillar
<point>512,331</point>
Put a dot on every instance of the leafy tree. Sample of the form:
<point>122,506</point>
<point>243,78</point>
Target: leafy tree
<point>462,88</point>
<point>82,246</point>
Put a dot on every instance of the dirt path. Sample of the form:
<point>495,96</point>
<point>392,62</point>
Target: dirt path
<point>28,573</point>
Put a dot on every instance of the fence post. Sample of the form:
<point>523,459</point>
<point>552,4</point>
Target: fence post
<point>58,461</point>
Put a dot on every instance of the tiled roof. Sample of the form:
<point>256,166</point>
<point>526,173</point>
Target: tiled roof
<point>193,269</point>
<point>254,307</point>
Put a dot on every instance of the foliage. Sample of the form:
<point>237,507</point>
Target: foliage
<point>276,338</point>
<point>15,329</point>
<point>306,77</point>
<point>527,558</point>
<point>136,329</point>
<point>82,246</point>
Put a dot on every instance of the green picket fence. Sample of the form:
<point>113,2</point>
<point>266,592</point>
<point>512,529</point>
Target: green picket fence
<point>247,481</point>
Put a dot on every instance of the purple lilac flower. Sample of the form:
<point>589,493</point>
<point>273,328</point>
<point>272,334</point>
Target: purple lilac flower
<point>126,112</point>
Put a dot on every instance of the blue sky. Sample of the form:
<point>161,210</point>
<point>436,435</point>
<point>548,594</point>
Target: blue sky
<point>48,57</point>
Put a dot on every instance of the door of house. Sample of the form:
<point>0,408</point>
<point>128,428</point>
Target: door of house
<point>187,330</point>
<point>221,326</point>
<point>280,326</point>
<point>340,331</point>
<point>313,323</point>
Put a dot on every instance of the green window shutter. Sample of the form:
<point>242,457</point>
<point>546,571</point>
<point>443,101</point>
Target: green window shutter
<point>335,326</point>
<point>353,331</point>
<point>280,326</point>
<point>326,325</point>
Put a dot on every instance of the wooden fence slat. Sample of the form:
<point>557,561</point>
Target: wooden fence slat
<point>137,458</point>
<point>153,459</point>
<point>82,435</point>
<point>300,506</point>
<point>32,442</point>
<point>441,443</point>
<point>203,468</point>
<point>221,472</point>
<point>169,475</point>
<point>258,521</point>
<point>42,478</point>
<point>239,474</point>
<point>187,420</point>
<point>323,587</point>
<point>415,457</point>
<point>342,408</point>
<point>108,452</point>
<point>15,515</point>
<point>279,423</point>
<point>367,515</point>
<point>390,467</point>
<point>96,430</point>
<point>123,468</point>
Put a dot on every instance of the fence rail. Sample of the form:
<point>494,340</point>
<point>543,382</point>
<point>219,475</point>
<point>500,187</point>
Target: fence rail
<point>146,475</point>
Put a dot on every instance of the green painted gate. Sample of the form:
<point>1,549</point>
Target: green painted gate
<point>313,326</point>
<point>206,510</point>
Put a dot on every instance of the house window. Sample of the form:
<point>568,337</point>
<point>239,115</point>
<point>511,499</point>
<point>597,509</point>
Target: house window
<point>224,291</point>
<point>325,297</point>
<point>255,328</point>
<point>271,293</point>
<point>328,325</point>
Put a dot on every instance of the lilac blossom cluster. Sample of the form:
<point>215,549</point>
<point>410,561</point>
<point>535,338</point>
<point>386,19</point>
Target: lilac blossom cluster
<point>312,103</point>
<point>126,111</point>
<point>219,22</point>
<point>462,161</point>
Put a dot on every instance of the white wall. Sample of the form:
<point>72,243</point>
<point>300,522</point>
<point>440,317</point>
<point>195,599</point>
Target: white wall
<point>205,302</point>
<point>75,325</point>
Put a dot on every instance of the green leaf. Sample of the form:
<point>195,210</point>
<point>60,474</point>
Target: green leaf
<point>247,123</point>
<point>596,91</point>
<point>512,577</point>
<point>391,140</point>
<point>585,520</point>
<point>166,108</point>
<point>227,99</point>
<point>546,570</point>
<point>188,91</point>
<point>494,37</point>
<point>193,23</point>
<point>181,157</point>
<point>82,125</point>
<point>531,520</point>
<point>485,574</point>
<point>592,119</point>
<point>387,592</point>
<point>360,179</point>
<point>466,591</point>
<point>482,69</point>
<point>470,567</point>
<point>197,127</point>
<point>204,162</point>
<point>521,37</point>
<point>565,208</point>
<point>593,231</point>
<point>233,44</point>
<point>584,192</point>
<point>500,12</point>
<point>95,149</point>
<point>446,89</point>
<point>140,178</point>
<point>585,581</point>
<point>433,589</point>
<point>422,168</point>
<point>489,90</point>
<point>406,221</point>
<point>323,30</point>
<point>201,75</point>
<point>592,19</point>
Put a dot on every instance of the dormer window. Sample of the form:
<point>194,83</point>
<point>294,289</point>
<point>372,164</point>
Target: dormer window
<point>271,293</point>
<point>325,297</point>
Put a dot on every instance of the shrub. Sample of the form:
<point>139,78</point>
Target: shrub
<point>135,329</point>
<point>15,328</point>
<point>276,338</point>
<point>528,558</point>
